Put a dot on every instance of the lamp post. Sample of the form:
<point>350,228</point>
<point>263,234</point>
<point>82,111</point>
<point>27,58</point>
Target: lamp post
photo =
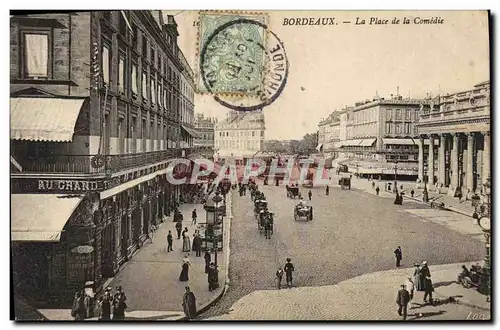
<point>425,194</point>
<point>217,199</point>
<point>483,217</point>
<point>395,176</point>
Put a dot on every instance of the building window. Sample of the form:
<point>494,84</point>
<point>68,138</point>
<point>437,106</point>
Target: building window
<point>134,37</point>
<point>415,130</point>
<point>144,47</point>
<point>153,90</point>
<point>408,114</point>
<point>388,129</point>
<point>388,114</point>
<point>153,60</point>
<point>37,55</point>
<point>105,64</point>
<point>398,114</point>
<point>416,114</point>
<point>261,133</point>
<point>398,128</point>
<point>144,85</point>
<point>121,75</point>
<point>253,133</point>
<point>134,79</point>
<point>165,104</point>
<point>407,128</point>
<point>159,95</point>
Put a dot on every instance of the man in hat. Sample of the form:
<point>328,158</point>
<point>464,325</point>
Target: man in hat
<point>105,305</point>
<point>189,304</point>
<point>402,300</point>
<point>399,255</point>
<point>289,269</point>
<point>279,277</point>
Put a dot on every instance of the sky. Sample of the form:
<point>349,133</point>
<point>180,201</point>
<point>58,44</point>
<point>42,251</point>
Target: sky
<point>333,66</point>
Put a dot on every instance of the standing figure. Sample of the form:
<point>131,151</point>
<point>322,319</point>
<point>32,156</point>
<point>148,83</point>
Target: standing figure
<point>208,259</point>
<point>213,277</point>
<point>377,190</point>
<point>194,216</point>
<point>309,194</point>
<point>373,184</point>
<point>399,255</point>
<point>119,304</point>
<point>429,289</point>
<point>178,228</point>
<point>289,269</point>
<point>197,244</point>
<point>279,277</point>
<point>186,244</point>
<point>184,276</point>
<point>169,241</point>
<point>105,305</point>
<point>327,190</point>
<point>410,287</point>
<point>424,273</point>
<point>189,304</point>
<point>78,310</point>
<point>416,278</point>
<point>402,300</point>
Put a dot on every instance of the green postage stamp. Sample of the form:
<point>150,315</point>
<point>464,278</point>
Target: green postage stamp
<point>231,52</point>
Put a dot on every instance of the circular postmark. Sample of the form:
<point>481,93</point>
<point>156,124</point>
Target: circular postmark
<point>234,60</point>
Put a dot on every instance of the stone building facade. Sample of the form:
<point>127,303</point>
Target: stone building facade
<point>101,102</point>
<point>204,126</point>
<point>458,127</point>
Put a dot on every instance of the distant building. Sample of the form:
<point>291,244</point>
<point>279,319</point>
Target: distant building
<point>329,135</point>
<point>204,127</point>
<point>458,125</point>
<point>240,135</point>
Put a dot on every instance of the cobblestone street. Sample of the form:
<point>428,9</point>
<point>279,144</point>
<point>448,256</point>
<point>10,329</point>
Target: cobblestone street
<point>353,233</point>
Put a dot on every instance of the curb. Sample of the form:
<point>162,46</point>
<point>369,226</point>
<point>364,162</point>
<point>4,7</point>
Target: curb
<point>209,304</point>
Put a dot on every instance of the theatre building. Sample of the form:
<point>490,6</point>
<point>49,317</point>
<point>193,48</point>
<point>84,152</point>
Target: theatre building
<point>100,104</point>
<point>459,132</point>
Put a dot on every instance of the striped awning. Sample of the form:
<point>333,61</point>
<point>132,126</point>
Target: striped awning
<point>191,131</point>
<point>40,217</point>
<point>351,143</point>
<point>43,119</point>
<point>367,142</point>
<point>398,141</point>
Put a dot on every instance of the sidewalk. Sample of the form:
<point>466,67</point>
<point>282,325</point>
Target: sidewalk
<point>150,279</point>
<point>367,297</point>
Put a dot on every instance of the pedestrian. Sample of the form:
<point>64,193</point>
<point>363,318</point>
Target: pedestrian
<point>184,276</point>
<point>186,244</point>
<point>402,300</point>
<point>412,192</point>
<point>309,194</point>
<point>373,184</point>
<point>327,190</point>
<point>105,305</point>
<point>377,190</point>
<point>207,258</point>
<point>78,309</point>
<point>152,229</point>
<point>194,216</point>
<point>119,304</point>
<point>460,196</point>
<point>410,287</point>
<point>169,241</point>
<point>289,269</point>
<point>419,285</point>
<point>197,244</point>
<point>428,290</point>
<point>213,277</point>
<point>189,304</point>
<point>178,228</point>
<point>279,277</point>
<point>399,255</point>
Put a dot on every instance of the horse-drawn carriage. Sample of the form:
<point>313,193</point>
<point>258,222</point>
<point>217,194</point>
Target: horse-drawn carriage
<point>292,192</point>
<point>265,222</point>
<point>303,212</point>
<point>345,183</point>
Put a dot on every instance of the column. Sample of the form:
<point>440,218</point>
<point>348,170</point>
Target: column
<point>454,162</point>
<point>470,169</point>
<point>486,157</point>
<point>129,230</point>
<point>441,160</point>
<point>430,162</point>
<point>421,159</point>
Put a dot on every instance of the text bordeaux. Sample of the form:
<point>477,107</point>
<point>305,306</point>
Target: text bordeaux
<point>309,21</point>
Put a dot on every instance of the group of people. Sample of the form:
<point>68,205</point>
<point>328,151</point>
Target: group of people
<point>107,305</point>
<point>421,281</point>
<point>288,270</point>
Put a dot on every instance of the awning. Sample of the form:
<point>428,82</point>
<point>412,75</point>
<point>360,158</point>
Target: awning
<point>40,217</point>
<point>319,146</point>
<point>367,142</point>
<point>351,143</point>
<point>190,131</point>
<point>43,119</point>
<point>398,141</point>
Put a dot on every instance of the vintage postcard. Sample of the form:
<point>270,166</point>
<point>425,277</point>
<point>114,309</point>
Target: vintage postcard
<point>250,165</point>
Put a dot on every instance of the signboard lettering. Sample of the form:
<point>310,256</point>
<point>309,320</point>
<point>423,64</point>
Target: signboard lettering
<point>68,185</point>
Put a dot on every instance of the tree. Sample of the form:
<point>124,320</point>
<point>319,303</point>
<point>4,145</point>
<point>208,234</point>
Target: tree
<point>293,147</point>
<point>308,144</point>
<point>275,146</point>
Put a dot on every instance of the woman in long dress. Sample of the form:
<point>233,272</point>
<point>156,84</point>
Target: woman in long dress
<point>184,277</point>
<point>416,278</point>
<point>186,244</point>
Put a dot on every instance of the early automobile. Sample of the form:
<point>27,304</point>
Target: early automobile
<point>303,212</point>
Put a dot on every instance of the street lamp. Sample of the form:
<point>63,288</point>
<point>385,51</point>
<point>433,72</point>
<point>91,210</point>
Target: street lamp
<point>395,176</point>
<point>483,217</point>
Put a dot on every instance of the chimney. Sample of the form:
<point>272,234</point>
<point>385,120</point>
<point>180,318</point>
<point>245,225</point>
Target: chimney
<point>171,28</point>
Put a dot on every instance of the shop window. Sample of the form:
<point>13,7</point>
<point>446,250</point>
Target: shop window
<point>37,54</point>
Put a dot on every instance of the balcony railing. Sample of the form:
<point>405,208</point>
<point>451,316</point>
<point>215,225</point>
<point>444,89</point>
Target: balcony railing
<point>90,164</point>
